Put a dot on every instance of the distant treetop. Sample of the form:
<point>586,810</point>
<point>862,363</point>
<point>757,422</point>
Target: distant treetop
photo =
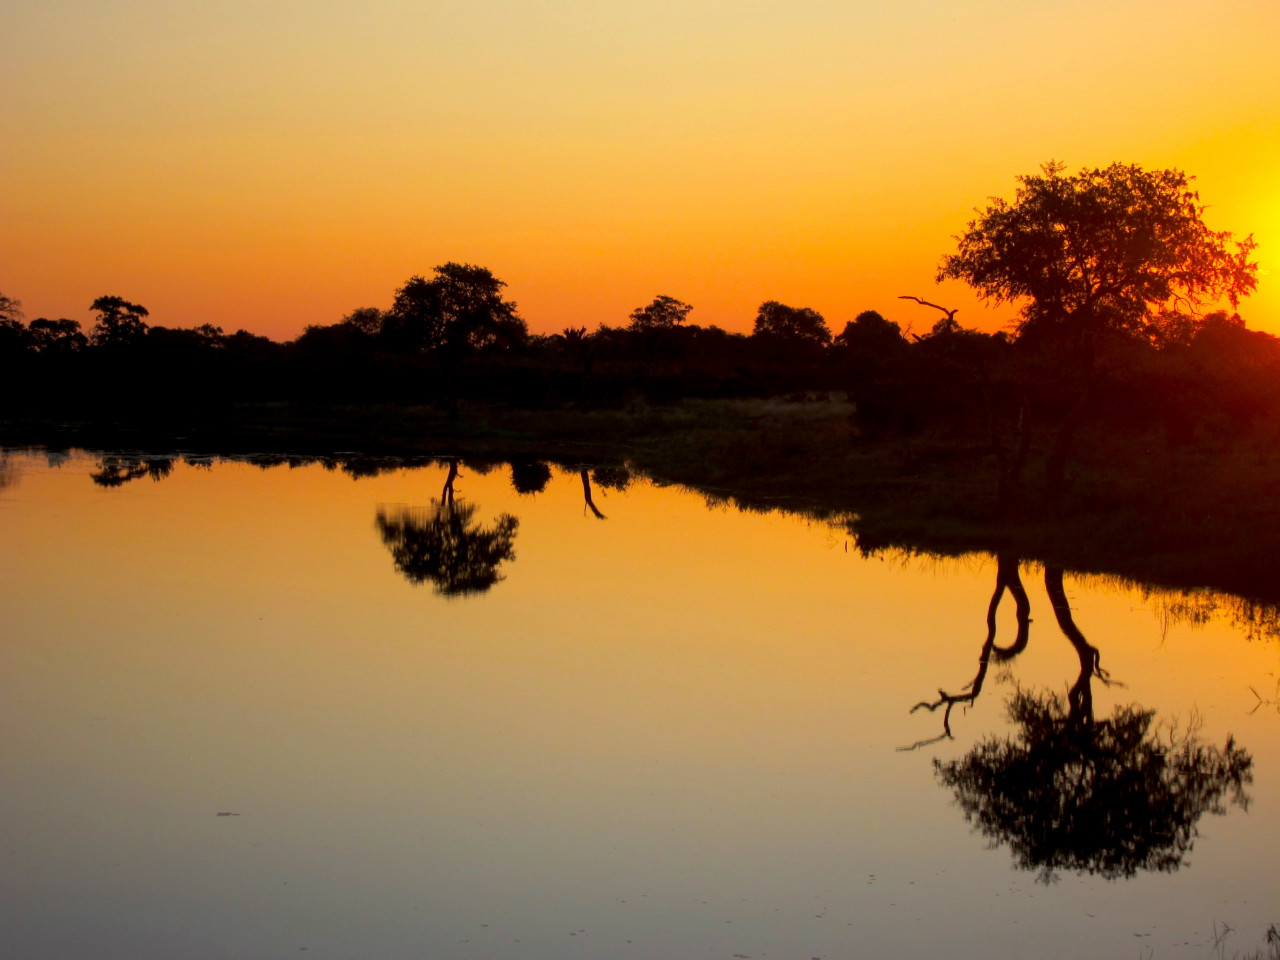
<point>797,324</point>
<point>664,313</point>
<point>119,322</point>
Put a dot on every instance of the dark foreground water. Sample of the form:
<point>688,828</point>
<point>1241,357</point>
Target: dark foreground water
<point>286,712</point>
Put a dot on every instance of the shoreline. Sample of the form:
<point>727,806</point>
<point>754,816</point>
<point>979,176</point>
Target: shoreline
<point>1203,516</point>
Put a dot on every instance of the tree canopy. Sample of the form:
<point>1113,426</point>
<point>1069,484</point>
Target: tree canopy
<point>10,309</point>
<point>460,308</point>
<point>119,322</point>
<point>1115,249</point>
<point>57,336</point>
<point>1110,797</point>
<point>664,313</point>
<point>797,324</point>
<point>869,331</point>
<point>446,546</point>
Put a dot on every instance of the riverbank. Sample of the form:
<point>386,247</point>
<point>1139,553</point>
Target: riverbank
<point>1200,513</point>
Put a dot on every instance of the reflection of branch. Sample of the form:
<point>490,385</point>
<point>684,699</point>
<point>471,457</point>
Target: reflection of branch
<point>446,496</point>
<point>1007,577</point>
<point>586,493</point>
<point>1080,697</point>
<point>1274,702</point>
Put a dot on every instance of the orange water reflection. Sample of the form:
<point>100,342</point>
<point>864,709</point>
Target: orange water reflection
<point>671,732</point>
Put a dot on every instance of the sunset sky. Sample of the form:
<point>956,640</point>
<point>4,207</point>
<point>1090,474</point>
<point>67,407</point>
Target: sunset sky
<point>275,163</point>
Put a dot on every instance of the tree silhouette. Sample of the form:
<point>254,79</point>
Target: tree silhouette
<point>664,313</point>
<point>459,309</point>
<point>1113,252</point>
<point>366,320</point>
<point>119,322</point>
<point>869,333</point>
<point>10,309</point>
<point>1106,250</point>
<point>57,336</point>
<point>777,321</point>
<point>14,337</point>
<point>443,544</point>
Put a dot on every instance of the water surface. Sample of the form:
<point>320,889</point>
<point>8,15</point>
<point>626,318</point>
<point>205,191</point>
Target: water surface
<point>290,712</point>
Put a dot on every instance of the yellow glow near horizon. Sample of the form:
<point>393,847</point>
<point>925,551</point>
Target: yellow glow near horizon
<point>275,164</point>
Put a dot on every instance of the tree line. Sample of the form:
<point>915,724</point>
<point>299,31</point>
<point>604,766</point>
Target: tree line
<point>1124,311</point>
<point>451,336</point>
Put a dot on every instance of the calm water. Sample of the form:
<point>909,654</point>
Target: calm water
<point>257,713</point>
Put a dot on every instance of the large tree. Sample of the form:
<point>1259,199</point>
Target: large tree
<point>1114,252</point>
<point>461,308</point>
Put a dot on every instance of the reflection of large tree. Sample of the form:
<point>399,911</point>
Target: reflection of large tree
<point>1112,797</point>
<point>1066,791</point>
<point>443,544</point>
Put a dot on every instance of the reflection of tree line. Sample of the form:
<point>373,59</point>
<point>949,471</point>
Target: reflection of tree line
<point>441,543</point>
<point>1067,791</point>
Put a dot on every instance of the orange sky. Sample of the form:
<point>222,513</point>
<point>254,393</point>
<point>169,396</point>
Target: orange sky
<point>271,164</point>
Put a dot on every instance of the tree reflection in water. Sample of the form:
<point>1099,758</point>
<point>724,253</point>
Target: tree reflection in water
<point>1111,797</point>
<point>115,470</point>
<point>530,478</point>
<point>443,544</point>
<point>1066,791</point>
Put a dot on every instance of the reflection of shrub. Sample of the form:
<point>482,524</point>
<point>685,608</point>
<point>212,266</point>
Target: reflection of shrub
<point>527,478</point>
<point>611,478</point>
<point>1111,797</point>
<point>443,545</point>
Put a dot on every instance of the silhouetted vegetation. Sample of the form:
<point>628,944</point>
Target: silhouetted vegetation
<point>1100,264</point>
<point>1095,429</point>
<point>115,470</point>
